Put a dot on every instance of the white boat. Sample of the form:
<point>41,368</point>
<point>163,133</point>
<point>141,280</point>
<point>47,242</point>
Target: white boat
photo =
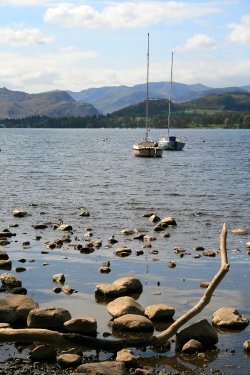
<point>171,143</point>
<point>147,147</point>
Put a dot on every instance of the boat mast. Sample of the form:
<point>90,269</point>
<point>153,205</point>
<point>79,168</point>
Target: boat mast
<point>147,92</point>
<point>170,93</point>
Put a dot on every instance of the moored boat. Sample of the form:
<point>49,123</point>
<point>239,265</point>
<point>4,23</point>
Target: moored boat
<point>171,143</point>
<point>147,148</point>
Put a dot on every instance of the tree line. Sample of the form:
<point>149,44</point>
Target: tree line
<point>182,119</point>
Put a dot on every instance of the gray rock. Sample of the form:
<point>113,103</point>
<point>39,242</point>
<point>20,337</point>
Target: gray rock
<point>159,312</point>
<point>201,331</point>
<point>15,308</point>
<point>85,325</point>
<point>132,323</point>
<point>69,360</point>
<point>103,368</point>
<point>228,317</point>
<point>50,318</point>
<point>124,305</point>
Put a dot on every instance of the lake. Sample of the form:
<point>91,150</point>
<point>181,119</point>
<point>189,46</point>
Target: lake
<point>55,174</point>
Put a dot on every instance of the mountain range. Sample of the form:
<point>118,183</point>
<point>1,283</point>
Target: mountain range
<point>96,101</point>
<point>17,104</point>
<point>110,99</point>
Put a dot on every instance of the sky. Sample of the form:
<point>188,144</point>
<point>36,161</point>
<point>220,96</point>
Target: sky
<point>79,44</point>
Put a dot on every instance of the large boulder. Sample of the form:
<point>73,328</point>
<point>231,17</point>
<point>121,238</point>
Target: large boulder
<point>160,312</point>
<point>132,323</point>
<point>124,305</point>
<point>229,318</point>
<point>131,283</point>
<point>15,308</point>
<point>48,318</point>
<point>85,325</point>
<point>109,291</point>
<point>43,353</point>
<point>201,331</point>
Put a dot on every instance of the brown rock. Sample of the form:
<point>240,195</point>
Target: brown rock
<point>228,317</point>
<point>103,368</point>
<point>85,325</point>
<point>50,318</point>
<point>159,312</point>
<point>69,360</point>
<point>132,322</point>
<point>124,305</point>
<point>201,331</point>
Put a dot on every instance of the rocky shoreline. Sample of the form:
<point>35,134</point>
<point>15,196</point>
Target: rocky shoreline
<point>21,318</point>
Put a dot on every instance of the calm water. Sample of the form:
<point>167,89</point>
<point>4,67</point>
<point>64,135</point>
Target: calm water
<point>56,174</point>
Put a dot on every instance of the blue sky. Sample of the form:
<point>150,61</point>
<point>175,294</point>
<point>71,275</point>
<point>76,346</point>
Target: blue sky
<point>75,45</point>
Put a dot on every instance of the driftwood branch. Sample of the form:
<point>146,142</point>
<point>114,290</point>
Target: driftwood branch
<point>64,339</point>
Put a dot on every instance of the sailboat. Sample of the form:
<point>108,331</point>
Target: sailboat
<point>147,147</point>
<point>171,143</point>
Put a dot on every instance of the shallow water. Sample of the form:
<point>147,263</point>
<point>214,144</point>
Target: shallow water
<point>56,174</point>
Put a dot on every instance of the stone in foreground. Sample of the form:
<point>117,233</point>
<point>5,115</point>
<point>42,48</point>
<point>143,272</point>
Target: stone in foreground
<point>229,318</point>
<point>201,331</point>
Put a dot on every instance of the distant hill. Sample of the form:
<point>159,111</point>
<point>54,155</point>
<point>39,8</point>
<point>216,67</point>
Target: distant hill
<point>236,101</point>
<point>16,104</point>
<point>113,98</point>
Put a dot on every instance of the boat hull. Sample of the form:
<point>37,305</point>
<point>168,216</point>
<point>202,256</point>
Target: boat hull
<point>147,150</point>
<point>173,144</point>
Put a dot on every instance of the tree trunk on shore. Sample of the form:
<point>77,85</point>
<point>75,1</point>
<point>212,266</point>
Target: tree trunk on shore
<point>67,339</point>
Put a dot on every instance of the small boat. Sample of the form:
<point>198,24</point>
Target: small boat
<point>147,148</point>
<point>171,143</point>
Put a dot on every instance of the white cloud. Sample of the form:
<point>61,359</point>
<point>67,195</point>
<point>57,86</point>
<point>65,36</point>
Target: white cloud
<point>72,69</point>
<point>22,37</point>
<point>241,32</point>
<point>127,14</point>
<point>196,42</point>
<point>61,69</point>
